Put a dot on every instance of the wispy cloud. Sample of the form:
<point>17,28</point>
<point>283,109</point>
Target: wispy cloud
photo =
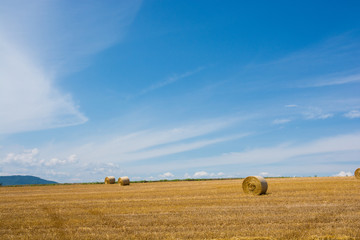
<point>30,157</point>
<point>331,62</point>
<point>338,79</point>
<point>328,150</point>
<point>299,81</point>
<point>28,97</point>
<point>264,174</point>
<point>353,114</point>
<point>170,80</point>
<point>175,148</point>
<point>339,143</point>
<point>42,41</point>
<point>281,121</point>
<point>316,113</point>
<point>155,143</point>
<point>291,106</point>
<point>341,80</point>
<point>98,156</point>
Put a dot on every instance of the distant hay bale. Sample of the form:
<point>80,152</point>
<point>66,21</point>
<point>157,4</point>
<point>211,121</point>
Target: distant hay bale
<point>110,180</point>
<point>357,173</point>
<point>124,181</point>
<point>256,185</point>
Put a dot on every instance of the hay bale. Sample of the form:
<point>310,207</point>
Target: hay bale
<point>256,185</point>
<point>357,173</point>
<point>110,180</point>
<point>124,181</point>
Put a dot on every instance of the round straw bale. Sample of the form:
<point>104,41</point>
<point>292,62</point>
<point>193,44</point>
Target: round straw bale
<point>357,173</point>
<point>256,185</point>
<point>124,180</point>
<point>110,180</point>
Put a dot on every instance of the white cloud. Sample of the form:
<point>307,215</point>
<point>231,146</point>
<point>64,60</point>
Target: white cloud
<point>186,175</point>
<point>153,143</point>
<point>264,174</point>
<point>318,152</point>
<point>291,106</point>
<point>281,121</point>
<point>201,174</point>
<point>57,173</point>
<point>55,161</point>
<point>220,174</point>
<point>172,149</point>
<point>167,175</point>
<point>101,170</point>
<point>325,116</point>
<point>170,80</point>
<point>31,157</point>
<point>136,178</point>
<point>349,142</point>
<point>337,80</point>
<point>353,114</point>
<point>28,157</point>
<point>123,149</point>
<point>72,158</point>
<point>343,174</point>
<point>28,97</point>
<point>313,113</point>
<point>39,43</point>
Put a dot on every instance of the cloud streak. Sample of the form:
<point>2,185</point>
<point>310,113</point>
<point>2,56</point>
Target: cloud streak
<point>28,98</point>
<point>89,157</point>
<point>352,114</point>
<point>280,153</point>
<point>281,121</point>
<point>170,80</point>
<point>352,78</point>
<point>156,143</point>
<point>329,150</point>
<point>39,43</point>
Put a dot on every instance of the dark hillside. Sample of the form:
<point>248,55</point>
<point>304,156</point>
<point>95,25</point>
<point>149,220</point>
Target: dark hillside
<point>22,180</point>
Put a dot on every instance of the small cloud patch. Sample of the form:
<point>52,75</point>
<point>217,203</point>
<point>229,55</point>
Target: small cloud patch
<point>343,174</point>
<point>201,174</point>
<point>314,113</point>
<point>353,114</point>
<point>281,121</point>
<point>167,175</point>
<point>187,175</point>
<point>264,174</point>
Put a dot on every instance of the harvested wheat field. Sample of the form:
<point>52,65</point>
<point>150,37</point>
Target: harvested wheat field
<point>292,208</point>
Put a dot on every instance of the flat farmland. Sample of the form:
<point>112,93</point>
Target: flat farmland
<point>293,208</point>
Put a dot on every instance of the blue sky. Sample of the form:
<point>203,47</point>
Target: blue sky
<point>179,89</point>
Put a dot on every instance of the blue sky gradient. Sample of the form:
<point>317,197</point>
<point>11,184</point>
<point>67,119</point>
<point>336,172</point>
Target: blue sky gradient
<point>179,89</point>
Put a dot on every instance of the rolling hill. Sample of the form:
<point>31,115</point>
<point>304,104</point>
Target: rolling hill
<point>22,180</point>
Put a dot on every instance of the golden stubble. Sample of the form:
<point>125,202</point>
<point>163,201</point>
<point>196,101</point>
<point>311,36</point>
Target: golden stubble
<point>292,208</point>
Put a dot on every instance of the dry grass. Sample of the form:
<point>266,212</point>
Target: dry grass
<point>293,208</point>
